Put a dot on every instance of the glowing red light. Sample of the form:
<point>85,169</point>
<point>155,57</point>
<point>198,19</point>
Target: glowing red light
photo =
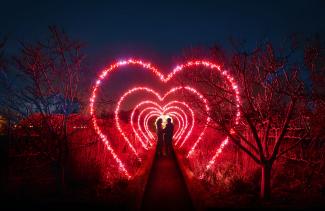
<point>164,79</point>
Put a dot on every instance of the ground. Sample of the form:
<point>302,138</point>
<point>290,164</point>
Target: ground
<point>166,188</point>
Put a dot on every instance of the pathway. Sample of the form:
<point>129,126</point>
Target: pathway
<point>166,188</point>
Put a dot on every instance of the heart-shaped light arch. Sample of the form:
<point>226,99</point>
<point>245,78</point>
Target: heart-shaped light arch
<point>174,115</point>
<point>161,99</point>
<point>158,111</point>
<point>164,79</point>
<point>157,114</point>
<point>154,111</point>
<point>152,103</point>
<point>166,111</point>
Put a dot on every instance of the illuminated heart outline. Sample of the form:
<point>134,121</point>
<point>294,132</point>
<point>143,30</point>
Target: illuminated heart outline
<point>157,112</point>
<point>161,99</point>
<point>178,132</point>
<point>161,111</point>
<point>164,79</point>
<point>157,106</point>
<point>185,122</point>
<point>175,115</point>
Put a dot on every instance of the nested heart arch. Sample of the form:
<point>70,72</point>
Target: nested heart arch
<point>196,63</point>
<point>161,99</point>
<point>178,113</point>
<point>157,111</point>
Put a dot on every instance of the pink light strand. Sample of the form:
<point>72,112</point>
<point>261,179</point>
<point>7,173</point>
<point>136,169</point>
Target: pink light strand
<point>164,79</point>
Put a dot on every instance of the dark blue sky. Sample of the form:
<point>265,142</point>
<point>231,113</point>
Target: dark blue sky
<point>159,31</point>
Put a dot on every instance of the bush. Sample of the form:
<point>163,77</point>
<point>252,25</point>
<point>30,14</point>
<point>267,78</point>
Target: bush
<point>238,184</point>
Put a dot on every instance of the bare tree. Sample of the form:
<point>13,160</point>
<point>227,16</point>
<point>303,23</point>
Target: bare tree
<point>3,144</point>
<point>49,83</point>
<point>314,58</point>
<point>272,95</point>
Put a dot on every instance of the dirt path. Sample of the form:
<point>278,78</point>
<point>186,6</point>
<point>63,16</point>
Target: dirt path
<point>166,188</point>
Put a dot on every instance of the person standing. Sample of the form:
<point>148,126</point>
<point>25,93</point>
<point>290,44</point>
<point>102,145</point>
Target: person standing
<point>169,132</point>
<point>160,136</point>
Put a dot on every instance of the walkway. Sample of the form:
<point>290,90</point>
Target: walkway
<point>166,188</point>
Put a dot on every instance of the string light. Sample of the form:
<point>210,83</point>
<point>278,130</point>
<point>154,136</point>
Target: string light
<point>185,120</point>
<point>192,116</point>
<point>149,116</point>
<point>160,111</point>
<point>218,152</point>
<point>161,98</point>
<point>154,114</point>
<point>164,79</point>
<point>139,122</point>
<point>132,115</point>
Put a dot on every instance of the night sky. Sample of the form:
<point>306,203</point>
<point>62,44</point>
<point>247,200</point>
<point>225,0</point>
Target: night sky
<point>158,31</point>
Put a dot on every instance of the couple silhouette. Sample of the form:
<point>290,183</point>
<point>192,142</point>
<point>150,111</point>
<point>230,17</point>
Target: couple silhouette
<point>165,136</point>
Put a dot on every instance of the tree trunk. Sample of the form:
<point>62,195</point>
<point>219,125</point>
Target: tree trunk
<point>64,157</point>
<point>266,181</point>
<point>61,164</point>
<point>4,163</point>
<point>60,168</point>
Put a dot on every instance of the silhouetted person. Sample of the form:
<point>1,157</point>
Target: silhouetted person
<point>160,136</point>
<point>169,132</point>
